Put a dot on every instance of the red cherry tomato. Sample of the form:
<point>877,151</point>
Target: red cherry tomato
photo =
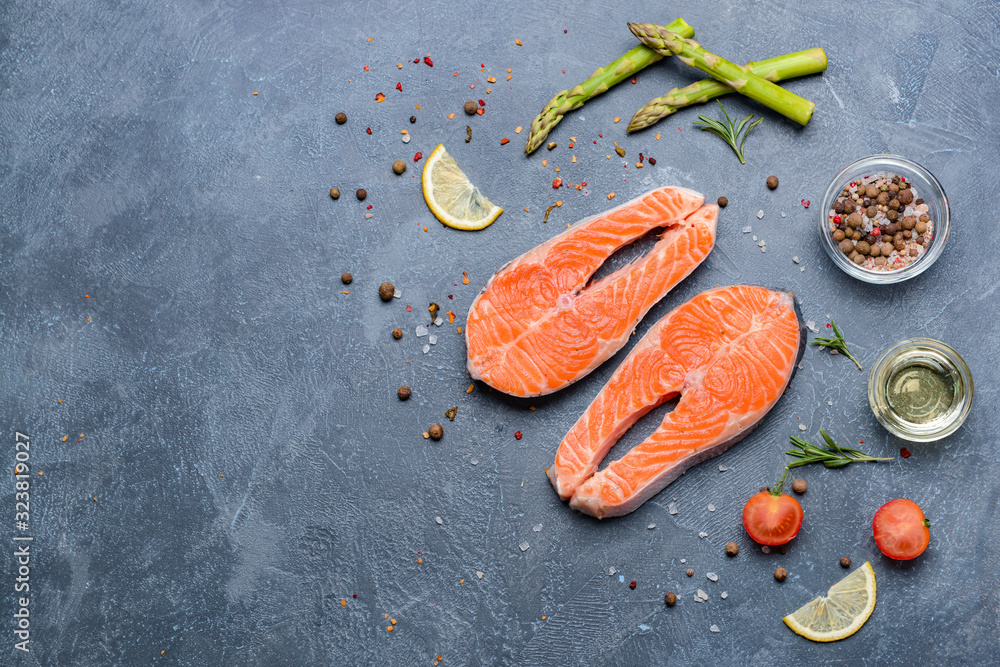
<point>901,530</point>
<point>771,519</point>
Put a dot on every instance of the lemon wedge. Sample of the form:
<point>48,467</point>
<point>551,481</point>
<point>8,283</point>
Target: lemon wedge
<point>452,197</point>
<point>841,612</point>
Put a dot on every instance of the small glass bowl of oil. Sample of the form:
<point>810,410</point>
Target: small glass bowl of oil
<point>920,390</point>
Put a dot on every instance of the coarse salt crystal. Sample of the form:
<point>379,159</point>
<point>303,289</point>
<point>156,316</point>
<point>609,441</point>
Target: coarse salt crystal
<point>702,594</point>
<point>672,508</point>
<point>762,243</point>
<point>611,571</point>
<point>651,526</point>
<point>724,595</point>
<point>802,427</point>
<point>782,214</point>
<point>766,549</point>
<point>524,546</point>
<point>438,520</point>
<point>698,599</point>
<point>644,627</point>
<point>683,560</point>
<point>421,330</point>
<point>537,527</point>
<point>802,268</point>
<point>397,294</point>
<point>712,576</point>
<point>714,628</point>
<point>760,214</point>
<point>795,259</point>
<point>754,237</point>
<point>722,468</point>
<point>406,138</point>
<point>474,462</point>
<point>432,339</point>
<point>480,576</point>
<point>438,322</point>
<point>812,326</point>
<point>426,349</point>
<point>829,402</point>
<point>834,352</point>
<point>748,229</point>
<point>711,507</point>
<point>702,534</point>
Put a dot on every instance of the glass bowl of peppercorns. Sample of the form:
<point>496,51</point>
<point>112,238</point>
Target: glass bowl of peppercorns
<point>884,219</point>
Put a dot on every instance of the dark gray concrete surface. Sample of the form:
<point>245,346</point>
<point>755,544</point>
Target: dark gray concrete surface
<point>251,464</point>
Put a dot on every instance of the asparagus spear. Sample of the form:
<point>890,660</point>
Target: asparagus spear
<point>665,42</point>
<point>788,66</point>
<point>602,79</point>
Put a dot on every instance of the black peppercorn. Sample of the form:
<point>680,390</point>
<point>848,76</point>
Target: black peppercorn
<point>361,194</point>
<point>397,333</point>
<point>723,202</point>
<point>413,119</point>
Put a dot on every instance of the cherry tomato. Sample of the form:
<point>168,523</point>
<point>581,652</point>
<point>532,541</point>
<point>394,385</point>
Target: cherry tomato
<point>900,529</point>
<point>771,519</point>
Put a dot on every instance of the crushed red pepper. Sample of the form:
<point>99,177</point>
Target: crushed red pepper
<point>428,61</point>
<point>369,130</point>
<point>904,452</point>
<point>417,157</point>
<point>517,436</point>
<point>399,86</point>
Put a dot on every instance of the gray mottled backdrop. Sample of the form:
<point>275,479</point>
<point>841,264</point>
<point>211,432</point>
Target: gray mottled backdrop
<point>251,464</point>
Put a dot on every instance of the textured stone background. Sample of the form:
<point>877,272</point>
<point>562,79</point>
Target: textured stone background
<point>137,166</point>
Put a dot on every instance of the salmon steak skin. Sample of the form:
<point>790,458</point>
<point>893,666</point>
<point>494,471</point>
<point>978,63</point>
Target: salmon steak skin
<point>538,326</point>
<point>729,353</point>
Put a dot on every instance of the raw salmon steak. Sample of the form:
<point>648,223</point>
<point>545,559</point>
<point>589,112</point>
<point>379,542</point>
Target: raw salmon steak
<point>729,352</point>
<point>537,326</point>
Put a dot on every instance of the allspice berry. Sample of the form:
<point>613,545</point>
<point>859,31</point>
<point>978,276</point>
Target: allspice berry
<point>845,562</point>
<point>341,118</point>
<point>397,333</point>
<point>732,549</point>
<point>780,574</point>
<point>385,291</point>
<point>772,182</point>
<point>398,167</point>
<point>404,392</point>
<point>335,193</point>
<point>471,107</point>
<point>361,194</point>
<point>723,202</point>
<point>690,572</point>
<point>435,431</point>
<point>799,485</point>
<point>670,599</point>
<point>346,278</point>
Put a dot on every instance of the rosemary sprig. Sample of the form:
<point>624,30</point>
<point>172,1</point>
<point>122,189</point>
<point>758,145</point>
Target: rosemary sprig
<point>729,133</point>
<point>831,456</point>
<point>838,344</point>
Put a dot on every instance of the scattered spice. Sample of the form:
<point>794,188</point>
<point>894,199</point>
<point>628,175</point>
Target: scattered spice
<point>617,118</point>
<point>517,130</point>
<point>732,549</point>
<point>480,111</point>
<point>436,431</point>
<point>722,202</point>
<point>465,278</point>
<point>385,291</point>
<point>398,167</point>
<point>551,145</point>
<point>611,196</point>
<point>518,435</point>
<point>652,161</point>
<point>468,134</point>
<point>471,107</point>
<point>451,412</point>
<point>772,182</point>
<point>368,130</point>
<point>670,599</point>
<point>780,574</point>
<point>799,485</point>
<point>450,116</point>
<point>845,562</point>
<point>379,97</point>
<point>397,333</point>
<point>504,141</point>
<point>619,150</point>
<point>433,309</point>
<point>557,183</point>
<point>416,158</point>
<point>632,585</point>
<point>413,119</point>
<point>361,194</point>
<point>549,210</point>
<point>491,79</point>
<point>805,203</point>
<point>341,118</point>
<point>335,193</point>
<point>428,61</point>
<point>345,278</point>
<point>518,42</point>
<point>471,388</point>
<point>690,572</point>
<point>904,452</point>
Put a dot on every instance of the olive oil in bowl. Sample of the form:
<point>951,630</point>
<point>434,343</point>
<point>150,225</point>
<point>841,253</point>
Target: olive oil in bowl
<point>920,390</point>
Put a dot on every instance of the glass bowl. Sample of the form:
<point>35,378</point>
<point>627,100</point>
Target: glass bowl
<point>928,354</point>
<point>927,188</point>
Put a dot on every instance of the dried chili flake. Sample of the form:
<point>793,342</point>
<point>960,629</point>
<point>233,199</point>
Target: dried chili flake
<point>451,412</point>
<point>504,141</point>
<point>565,31</point>
<point>640,157</point>
<point>556,184</point>
<point>518,435</point>
<point>369,130</point>
<point>633,80</point>
<point>451,315</point>
<point>651,161</point>
<point>456,74</point>
<point>904,452</point>
<point>416,60</point>
<point>369,207</point>
<point>417,156</point>
<point>632,585</point>
<point>491,79</point>
<point>428,61</point>
<point>366,68</point>
<point>379,97</point>
<point>482,103</point>
<point>805,203</point>
<point>584,184</point>
<point>465,278</point>
<point>471,389</point>
<point>399,86</point>
<point>480,111</point>
<point>518,42</point>
<point>409,309</point>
